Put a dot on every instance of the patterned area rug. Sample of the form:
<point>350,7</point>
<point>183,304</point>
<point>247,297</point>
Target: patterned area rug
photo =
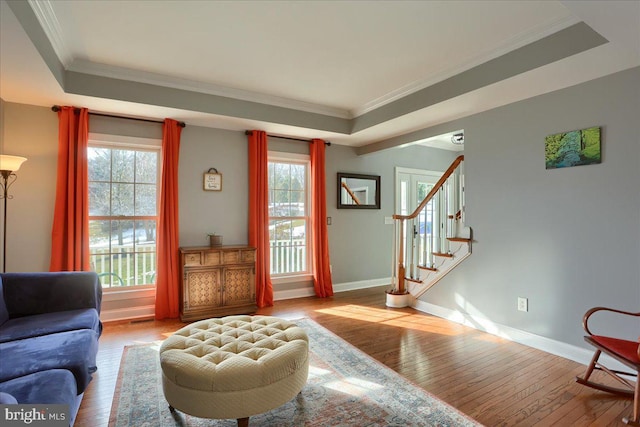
<point>345,388</point>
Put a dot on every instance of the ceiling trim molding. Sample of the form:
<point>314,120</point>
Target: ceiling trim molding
<point>51,27</point>
<point>560,45</point>
<point>120,73</point>
<point>145,93</point>
<point>525,38</point>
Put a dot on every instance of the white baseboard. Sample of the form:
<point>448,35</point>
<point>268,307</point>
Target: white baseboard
<point>293,293</point>
<point>548,345</point>
<point>340,287</point>
<point>129,313</point>
<point>361,284</point>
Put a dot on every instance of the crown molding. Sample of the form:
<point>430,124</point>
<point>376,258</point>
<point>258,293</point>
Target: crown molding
<point>51,27</point>
<point>103,70</point>
<point>525,38</point>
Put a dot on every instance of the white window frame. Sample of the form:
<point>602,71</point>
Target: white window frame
<point>134,143</point>
<point>305,159</point>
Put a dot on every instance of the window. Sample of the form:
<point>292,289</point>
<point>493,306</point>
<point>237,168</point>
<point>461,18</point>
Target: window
<point>289,211</point>
<point>123,213</point>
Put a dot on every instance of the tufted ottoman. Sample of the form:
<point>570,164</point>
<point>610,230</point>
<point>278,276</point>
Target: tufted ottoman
<point>234,366</point>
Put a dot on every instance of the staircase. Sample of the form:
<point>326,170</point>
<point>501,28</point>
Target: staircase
<point>431,241</point>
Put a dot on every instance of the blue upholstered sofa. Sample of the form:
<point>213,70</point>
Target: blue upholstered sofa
<point>49,330</point>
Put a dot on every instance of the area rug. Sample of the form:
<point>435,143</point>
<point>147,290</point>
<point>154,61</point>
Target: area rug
<point>345,388</point>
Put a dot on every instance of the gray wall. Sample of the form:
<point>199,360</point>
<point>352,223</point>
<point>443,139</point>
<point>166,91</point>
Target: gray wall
<point>567,239</point>
<point>222,212</point>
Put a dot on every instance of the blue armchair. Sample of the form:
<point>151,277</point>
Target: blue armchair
<point>49,330</point>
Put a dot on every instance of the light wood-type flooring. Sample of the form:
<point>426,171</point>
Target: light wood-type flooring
<point>495,381</point>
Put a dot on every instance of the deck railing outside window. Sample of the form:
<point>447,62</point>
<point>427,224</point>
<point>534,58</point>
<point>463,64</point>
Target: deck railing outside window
<point>122,268</point>
<point>288,256</point>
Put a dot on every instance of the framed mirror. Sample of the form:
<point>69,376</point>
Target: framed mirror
<point>357,191</point>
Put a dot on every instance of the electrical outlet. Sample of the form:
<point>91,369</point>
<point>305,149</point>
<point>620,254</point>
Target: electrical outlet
<point>523,304</point>
<point>328,220</point>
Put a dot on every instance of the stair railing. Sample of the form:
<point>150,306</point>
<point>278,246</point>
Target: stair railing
<point>428,228</point>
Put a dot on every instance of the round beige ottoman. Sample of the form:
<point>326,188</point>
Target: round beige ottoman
<point>234,366</point>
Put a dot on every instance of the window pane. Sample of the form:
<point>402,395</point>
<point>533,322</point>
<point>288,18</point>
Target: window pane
<point>99,196</point>
<point>146,167</point>
<point>122,236</point>
<point>146,236</point>
<point>281,205</point>
<point>99,162</point>
<point>145,199</point>
<point>272,205</point>
<point>271,174</point>
<point>282,176</point>
<point>298,175</point>
<point>298,203</point>
<point>145,256</point>
<point>123,165</point>
<point>122,199</point>
<point>99,233</point>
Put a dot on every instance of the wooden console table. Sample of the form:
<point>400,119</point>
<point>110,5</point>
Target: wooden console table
<point>217,281</point>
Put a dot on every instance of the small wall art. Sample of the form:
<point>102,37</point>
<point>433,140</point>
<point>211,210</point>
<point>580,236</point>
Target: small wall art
<point>574,148</point>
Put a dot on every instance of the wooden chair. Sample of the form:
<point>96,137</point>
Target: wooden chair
<point>625,352</point>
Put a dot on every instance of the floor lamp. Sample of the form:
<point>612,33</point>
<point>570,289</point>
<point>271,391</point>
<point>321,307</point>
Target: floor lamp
<point>8,165</point>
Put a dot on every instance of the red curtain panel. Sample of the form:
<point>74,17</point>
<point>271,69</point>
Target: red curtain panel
<point>70,231</point>
<point>259,215</point>
<point>168,272</point>
<point>320,242</point>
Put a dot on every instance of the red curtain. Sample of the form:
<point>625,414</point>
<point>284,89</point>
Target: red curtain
<point>168,276</point>
<point>70,232</point>
<point>259,215</point>
<point>319,240</point>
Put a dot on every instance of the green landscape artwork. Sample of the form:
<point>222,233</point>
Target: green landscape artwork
<point>575,148</point>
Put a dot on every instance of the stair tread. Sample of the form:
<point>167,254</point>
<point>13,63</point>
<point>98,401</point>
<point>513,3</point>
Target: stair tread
<point>458,239</point>
<point>442,254</point>
<point>413,280</point>
<point>424,267</point>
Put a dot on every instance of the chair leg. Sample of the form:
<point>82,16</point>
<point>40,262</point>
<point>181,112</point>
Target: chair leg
<point>592,365</point>
<point>243,422</point>
<point>636,407</point>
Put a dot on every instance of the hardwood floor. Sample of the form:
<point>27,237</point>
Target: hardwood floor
<point>495,381</point>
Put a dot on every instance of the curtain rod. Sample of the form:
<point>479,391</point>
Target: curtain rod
<point>56,108</point>
<point>248,132</point>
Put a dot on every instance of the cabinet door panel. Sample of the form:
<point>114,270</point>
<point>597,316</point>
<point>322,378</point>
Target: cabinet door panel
<point>202,289</point>
<point>239,286</point>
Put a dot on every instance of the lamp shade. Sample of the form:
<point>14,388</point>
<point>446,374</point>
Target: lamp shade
<point>11,163</point>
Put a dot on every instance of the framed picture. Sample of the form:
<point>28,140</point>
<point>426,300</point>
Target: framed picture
<point>212,181</point>
<point>574,148</point>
